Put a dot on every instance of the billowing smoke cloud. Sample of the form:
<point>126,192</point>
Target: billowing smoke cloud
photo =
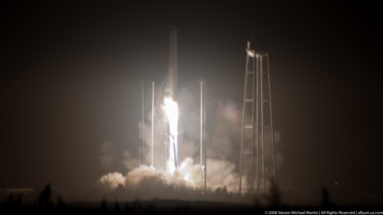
<point>145,182</point>
<point>222,175</point>
<point>111,181</point>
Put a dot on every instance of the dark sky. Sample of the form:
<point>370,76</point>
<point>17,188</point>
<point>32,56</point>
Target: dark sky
<point>71,71</point>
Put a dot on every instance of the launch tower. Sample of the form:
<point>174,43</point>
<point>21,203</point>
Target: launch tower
<point>257,137</point>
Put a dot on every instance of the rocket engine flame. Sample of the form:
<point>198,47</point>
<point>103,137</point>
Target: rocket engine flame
<point>170,108</point>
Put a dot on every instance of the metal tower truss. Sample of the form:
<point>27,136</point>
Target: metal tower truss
<point>258,153</point>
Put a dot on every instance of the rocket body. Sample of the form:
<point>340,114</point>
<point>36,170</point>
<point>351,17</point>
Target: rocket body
<point>171,85</point>
<point>171,107</point>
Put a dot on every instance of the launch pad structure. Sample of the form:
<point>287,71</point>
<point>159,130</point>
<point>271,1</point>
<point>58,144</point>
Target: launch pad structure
<point>258,161</point>
<point>257,136</point>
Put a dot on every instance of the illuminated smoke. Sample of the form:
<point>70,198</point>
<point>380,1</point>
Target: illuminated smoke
<point>170,108</point>
<point>184,179</point>
<point>111,181</point>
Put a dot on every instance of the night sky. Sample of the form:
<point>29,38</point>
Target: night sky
<point>71,72</point>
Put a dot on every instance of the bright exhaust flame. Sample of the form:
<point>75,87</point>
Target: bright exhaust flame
<point>170,108</point>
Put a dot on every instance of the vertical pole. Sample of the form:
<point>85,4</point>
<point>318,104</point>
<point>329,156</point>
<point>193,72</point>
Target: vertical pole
<point>257,122</point>
<point>262,125</point>
<point>271,123</point>
<point>252,123</point>
<point>201,122</point>
<point>166,145</point>
<point>152,163</point>
<point>204,136</point>
<point>243,120</point>
<point>143,124</point>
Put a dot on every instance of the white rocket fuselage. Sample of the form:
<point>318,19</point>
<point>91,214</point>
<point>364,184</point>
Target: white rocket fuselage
<point>171,85</point>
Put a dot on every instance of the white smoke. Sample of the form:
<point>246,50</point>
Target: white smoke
<point>111,181</point>
<point>146,182</point>
<point>222,175</point>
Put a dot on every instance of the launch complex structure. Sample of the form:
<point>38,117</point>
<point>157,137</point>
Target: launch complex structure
<point>257,149</point>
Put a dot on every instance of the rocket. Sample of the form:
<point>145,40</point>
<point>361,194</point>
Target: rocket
<point>170,105</point>
<point>171,85</point>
